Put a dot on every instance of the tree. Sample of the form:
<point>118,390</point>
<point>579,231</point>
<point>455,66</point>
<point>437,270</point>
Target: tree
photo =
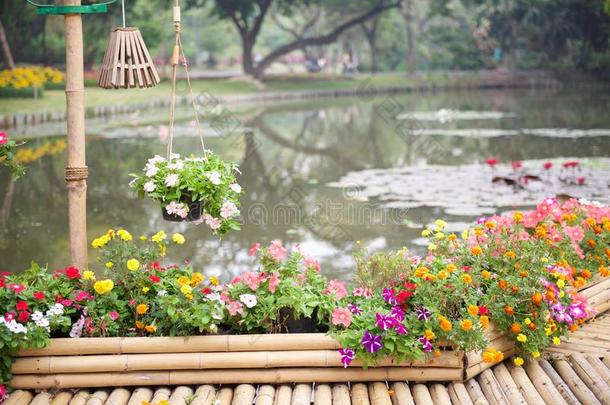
<point>6,49</point>
<point>248,17</point>
<point>370,33</point>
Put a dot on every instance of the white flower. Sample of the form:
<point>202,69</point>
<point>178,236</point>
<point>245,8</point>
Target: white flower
<point>56,309</point>
<point>162,293</point>
<point>249,300</point>
<point>228,210</point>
<point>149,186</point>
<point>172,180</point>
<point>174,156</point>
<point>151,170</point>
<point>176,166</point>
<point>211,221</point>
<point>156,159</point>
<point>37,316</point>
<point>235,187</point>
<point>132,183</point>
<point>214,177</point>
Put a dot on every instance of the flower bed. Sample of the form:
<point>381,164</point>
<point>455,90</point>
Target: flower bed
<point>29,81</point>
<point>509,286</point>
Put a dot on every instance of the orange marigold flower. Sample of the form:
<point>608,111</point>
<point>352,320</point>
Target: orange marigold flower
<point>573,327</point>
<point>476,250</point>
<point>515,328</point>
<point>490,224</point>
<point>509,310</point>
<point>479,232</point>
<point>452,237</point>
<point>486,274</point>
<point>421,272</point>
<point>466,324</point>
<point>540,231</point>
<point>498,356</point>
<point>515,289</point>
<point>139,325</point>
<point>466,278</point>
<point>591,243</point>
<point>151,328</point>
<point>484,321</point>
<point>591,221</point>
<point>579,282</point>
<point>451,268</point>
<point>537,298</point>
<point>445,324</point>
<point>603,271</point>
<point>523,273</point>
<point>429,334</point>
<point>532,326</point>
<point>510,254</point>
<point>586,273</point>
<point>502,284</point>
<point>141,309</point>
<point>473,310</point>
<point>518,217</point>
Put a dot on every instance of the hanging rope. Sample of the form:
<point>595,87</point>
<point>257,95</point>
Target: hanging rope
<point>123,11</point>
<point>176,54</point>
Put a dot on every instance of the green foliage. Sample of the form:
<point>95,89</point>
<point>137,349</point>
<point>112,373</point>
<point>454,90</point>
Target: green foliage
<point>7,155</point>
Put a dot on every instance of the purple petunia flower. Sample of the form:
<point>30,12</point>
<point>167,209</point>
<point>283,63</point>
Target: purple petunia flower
<point>577,311</point>
<point>400,328</point>
<point>354,308</point>
<point>423,314</point>
<point>398,314</point>
<point>384,322</point>
<point>426,345</point>
<point>388,296</point>
<point>347,355</point>
<point>372,343</point>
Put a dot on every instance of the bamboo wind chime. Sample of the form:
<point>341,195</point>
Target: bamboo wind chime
<point>127,60</point>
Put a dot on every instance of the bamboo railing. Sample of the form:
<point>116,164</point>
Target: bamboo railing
<point>240,359</point>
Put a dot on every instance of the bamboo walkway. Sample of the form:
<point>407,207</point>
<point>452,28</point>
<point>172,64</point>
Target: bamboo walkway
<point>577,371</point>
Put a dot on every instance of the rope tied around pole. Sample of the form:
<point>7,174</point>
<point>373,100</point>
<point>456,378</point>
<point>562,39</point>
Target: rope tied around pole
<point>178,52</point>
<point>76,173</point>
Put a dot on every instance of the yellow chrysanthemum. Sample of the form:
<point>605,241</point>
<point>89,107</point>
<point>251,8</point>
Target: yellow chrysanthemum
<point>109,265</point>
<point>124,235</point>
<point>183,280</point>
<point>159,237</point>
<point>178,238</point>
<point>88,275</point>
<point>103,286</point>
<point>518,361</point>
<point>133,264</point>
<point>214,280</point>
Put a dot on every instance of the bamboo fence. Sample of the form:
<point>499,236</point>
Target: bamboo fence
<point>241,359</point>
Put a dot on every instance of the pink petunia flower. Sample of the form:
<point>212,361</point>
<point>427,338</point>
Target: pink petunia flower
<point>254,249</point>
<point>277,251</point>
<point>274,280</point>
<point>252,280</point>
<point>337,288</point>
<point>342,316</point>
<point>235,307</point>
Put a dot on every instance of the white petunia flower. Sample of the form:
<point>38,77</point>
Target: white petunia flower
<point>214,177</point>
<point>235,187</point>
<point>151,170</point>
<point>249,300</point>
<point>149,186</point>
<point>162,293</point>
<point>228,210</point>
<point>172,180</point>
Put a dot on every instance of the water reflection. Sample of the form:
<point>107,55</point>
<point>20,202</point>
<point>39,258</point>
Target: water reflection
<point>294,150</point>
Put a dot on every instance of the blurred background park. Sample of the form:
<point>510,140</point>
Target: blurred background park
<point>445,106</point>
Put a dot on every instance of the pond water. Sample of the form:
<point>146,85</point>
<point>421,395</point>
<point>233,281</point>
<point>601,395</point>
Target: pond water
<point>322,173</point>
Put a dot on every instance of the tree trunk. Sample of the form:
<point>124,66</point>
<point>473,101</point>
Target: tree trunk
<point>373,56</point>
<point>6,49</point>
<point>511,60</point>
<point>407,15</point>
<point>247,59</point>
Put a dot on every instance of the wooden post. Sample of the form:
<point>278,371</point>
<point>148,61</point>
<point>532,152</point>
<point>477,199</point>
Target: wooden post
<point>76,169</point>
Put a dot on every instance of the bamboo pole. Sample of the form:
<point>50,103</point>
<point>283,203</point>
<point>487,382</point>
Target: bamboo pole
<point>421,395</point>
<point>301,395</point>
<point>590,377</point>
<point>140,395</point>
<point>76,169</point>
<point>62,398</point>
<point>323,395</point>
<point>18,397</point>
<point>508,385</point>
<point>562,387</point>
<point>378,394</point>
<point>402,394</point>
<point>439,394</point>
<point>543,383</point>
<point>42,398</point>
<point>204,395</point>
<point>180,396</point>
<point>283,395</point>
<point>524,384</point>
<point>360,394</point>
<point>577,386</point>
<point>225,396</point>
<point>97,398</point>
<point>491,388</point>
<point>459,394</point>
<point>80,398</point>
<point>118,396</point>
<point>475,392</point>
<point>341,395</point>
<point>244,394</point>
<point>265,395</point>
<point>600,367</point>
<point>161,394</point>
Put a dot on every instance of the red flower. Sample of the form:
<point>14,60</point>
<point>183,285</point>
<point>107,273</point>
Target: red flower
<point>516,164</point>
<point>492,161</point>
<point>82,295</point>
<point>483,310</point>
<point>402,296</point>
<point>66,302</point>
<point>155,279</point>
<point>466,268</point>
<point>3,138</point>
<point>21,306</point>
<point>2,283</point>
<point>410,286</point>
<point>255,247</point>
<point>570,163</point>
<point>17,287</point>
<point>72,273</point>
<point>581,180</point>
<point>39,295</point>
<point>9,316</point>
<point>23,317</point>
<point>206,291</point>
<point>547,165</point>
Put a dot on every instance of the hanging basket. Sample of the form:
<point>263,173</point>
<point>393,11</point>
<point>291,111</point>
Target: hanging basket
<point>127,63</point>
<point>195,208</point>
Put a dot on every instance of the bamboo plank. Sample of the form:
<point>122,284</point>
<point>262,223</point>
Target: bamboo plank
<point>439,394</point>
<point>600,367</point>
<point>560,385</point>
<point>421,395</point>
<point>323,395</point>
<point>118,396</point>
<point>140,395</point>
<point>42,398</point>
<point>122,62</point>
<point>147,82</point>
<point>301,395</point>
<point>62,398</point>
<point>244,394</point>
<point>341,395</point>
<point>80,398</point>
<point>402,394</point>
<point>577,386</point>
<point>359,394</point>
<point>459,394</point>
<point>590,377</point>
<point>543,383</point>
<point>524,385</point>
<point>283,395</point>
<point>18,397</point>
<point>508,385</point>
<point>161,394</point>
<point>265,395</point>
<point>491,388</point>
<point>181,395</point>
<point>475,392</point>
<point>151,66</point>
<point>225,396</point>
<point>378,394</point>
<point>204,395</point>
<point>129,59</point>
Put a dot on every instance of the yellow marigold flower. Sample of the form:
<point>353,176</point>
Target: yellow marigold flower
<point>186,289</point>
<point>473,310</point>
<point>110,233</point>
<point>476,250</point>
<point>144,402</point>
<point>535,354</point>
<point>162,250</point>
<point>143,238</point>
<point>518,361</point>
<point>197,278</point>
<point>544,260</point>
<point>426,232</point>
<point>124,235</point>
<point>145,289</point>
<point>465,234</point>
<point>484,321</point>
<point>183,280</point>
<point>442,274</point>
<point>439,235</point>
<point>133,264</point>
<point>109,265</point>
<point>139,325</point>
<point>431,247</point>
<point>440,223</point>
<point>159,237</point>
<point>561,283</point>
<point>521,338</point>
<point>452,236</point>
<point>88,275</point>
<point>214,280</point>
<point>429,334</point>
<point>527,321</point>
<point>151,328</point>
<point>488,356</point>
<point>518,216</point>
<point>163,402</point>
<point>479,232</point>
<point>466,278</point>
<point>178,239</point>
<point>510,254</point>
<point>421,272</point>
<point>141,309</point>
<point>103,286</point>
<point>451,268</point>
<point>556,341</point>
<point>466,325</point>
<point>548,331</point>
<point>486,274</point>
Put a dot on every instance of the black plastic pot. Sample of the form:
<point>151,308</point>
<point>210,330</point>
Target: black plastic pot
<point>293,325</point>
<point>194,214</point>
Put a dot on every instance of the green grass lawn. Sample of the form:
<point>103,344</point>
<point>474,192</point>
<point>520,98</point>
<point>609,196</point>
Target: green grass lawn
<point>54,100</point>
